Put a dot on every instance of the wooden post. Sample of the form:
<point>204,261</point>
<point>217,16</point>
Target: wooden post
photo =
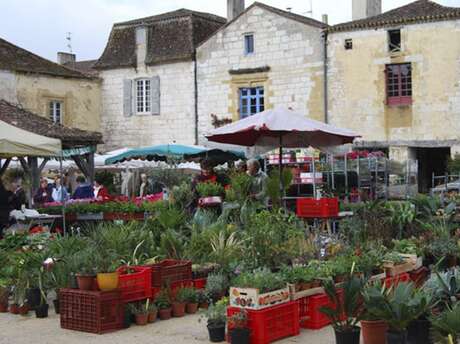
<point>4,166</point>
<point>91,172</point>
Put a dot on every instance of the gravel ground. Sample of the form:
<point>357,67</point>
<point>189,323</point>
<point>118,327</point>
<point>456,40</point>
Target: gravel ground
<point>16,329</point>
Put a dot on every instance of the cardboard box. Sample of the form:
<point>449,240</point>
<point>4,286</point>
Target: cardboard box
<point>250,298</point>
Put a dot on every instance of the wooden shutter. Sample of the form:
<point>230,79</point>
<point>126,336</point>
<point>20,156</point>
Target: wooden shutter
<point>155,94</point>
<point>127,98</point>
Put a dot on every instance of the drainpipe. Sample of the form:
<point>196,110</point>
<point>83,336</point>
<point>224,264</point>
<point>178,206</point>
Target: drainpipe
<point>325,66</point>
<point>195,68</point>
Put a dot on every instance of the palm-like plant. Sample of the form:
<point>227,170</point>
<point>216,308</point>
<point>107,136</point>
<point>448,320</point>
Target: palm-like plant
<point>446,324</point>
<point>347,310</point>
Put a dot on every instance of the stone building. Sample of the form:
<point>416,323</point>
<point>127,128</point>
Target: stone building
<point>263,57</point>
<point>149,79</point>
<point>48,89</point>
<point>395,79</point>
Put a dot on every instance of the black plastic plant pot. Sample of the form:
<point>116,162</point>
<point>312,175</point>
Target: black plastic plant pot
<point>56,305</point>
<point>419,332</point>
<point>128,319</point>
<point>396,337</point>
<point>348,337</point>
<point>41,311</point>
<point>73,284</point>
<point>33,297</point>
<point>216,332</point>
<point>240,336</point>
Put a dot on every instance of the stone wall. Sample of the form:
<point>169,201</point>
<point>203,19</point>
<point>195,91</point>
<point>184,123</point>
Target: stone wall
<point>81,98</point>
<point>175,124</point>
<point>292,50</point>
<point>8,86</point>
<point>357,95</point>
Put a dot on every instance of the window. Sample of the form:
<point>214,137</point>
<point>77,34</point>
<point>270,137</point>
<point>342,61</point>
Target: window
<point>56,108</point>
<point>394,40</point>
<point>251,101</point>
<point>348,44</point>
<point>248,44</point>
<point>143,96</point>
<point>399,84</point>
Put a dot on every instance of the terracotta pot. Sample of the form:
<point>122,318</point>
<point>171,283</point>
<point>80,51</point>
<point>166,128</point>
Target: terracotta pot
<point>204,305</point>
<point>178,309</point>
<point>3,307</point>
<point>451,261</point>
<point>153,316</point>
<point>14,308</point>
<point>305,285</point>
<point>373,331</point>
<point>316,284</point>
<point>191,308</point>
<point>164,314</point>
<point>142,319</point>
<point>107,281</point>
<point>339,279</point>
<point>23,310</point>
<point>85,282</point>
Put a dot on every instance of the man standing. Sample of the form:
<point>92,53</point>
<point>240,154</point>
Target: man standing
<point>259,182</point>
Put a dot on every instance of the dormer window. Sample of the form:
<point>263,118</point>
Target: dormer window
<point>248,44</point>
<point>394,41</point>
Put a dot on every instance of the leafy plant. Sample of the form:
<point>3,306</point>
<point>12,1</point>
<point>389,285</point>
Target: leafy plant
<point>217,313</point>
<point>445,287</point>
<point>238,319</point>
<point>163,301</point>
<point>273,185</point>
<point>216,284</point>
<point>209,189</point>
<point>190,295</point>
<point>445,324</point>
<point>350,307</point>
<point>263,280</point>
<point>181,295</point>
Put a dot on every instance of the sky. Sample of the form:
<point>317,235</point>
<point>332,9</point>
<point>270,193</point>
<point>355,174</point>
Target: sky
<point>41,26</point>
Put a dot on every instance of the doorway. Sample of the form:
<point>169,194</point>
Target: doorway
<point>431,160</point>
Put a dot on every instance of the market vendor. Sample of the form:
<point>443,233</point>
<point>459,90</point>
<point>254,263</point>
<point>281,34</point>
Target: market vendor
<point>258,187</point>
<point>44,193</point>
<point>100,191</point>
<point>207,174</point>
<point>60,193</point>
<point>84,190</point>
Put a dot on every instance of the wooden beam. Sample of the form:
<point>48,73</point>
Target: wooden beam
<point>5,166</point>
<point>90,162</point>
<point>25,165</point>
<point>43,164</point>
<point>82,165</point>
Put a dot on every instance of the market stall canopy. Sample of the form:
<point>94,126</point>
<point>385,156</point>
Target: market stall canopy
<point>272,127</point>
<point>16,142</point>
<point>162,152</point>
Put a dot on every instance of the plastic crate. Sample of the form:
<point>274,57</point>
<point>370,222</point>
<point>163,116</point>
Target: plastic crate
<point>310,315</point>
<point>273,323</point>
<point>393,281</point>
<point>419,276</point>
<point>91,311</point>
<point>200,283</point>
<point>169,271</point>
<point>317,208</point>
<point>135,286</point>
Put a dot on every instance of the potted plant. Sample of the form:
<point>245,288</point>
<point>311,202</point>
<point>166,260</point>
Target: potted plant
<point>179,303</point>
<point>5,283</point>
<point>86,270</point>
<point>41,311</point>
<point>203,299</point>
<point>106,266</point>
<point>239,332</point>
<point>400,305</point>
<point>446,324</point>
<point>140,312</point>
<point>346,311</point>
<point>216,285</point>
<point>163,304</point>
<point>191,297</point>
<point>152,311</point>
<point>216,315</point>
<point>372,327</point>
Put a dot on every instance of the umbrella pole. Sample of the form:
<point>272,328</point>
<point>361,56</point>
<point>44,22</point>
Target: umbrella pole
<point>280,166</point>
<point>62,195</point>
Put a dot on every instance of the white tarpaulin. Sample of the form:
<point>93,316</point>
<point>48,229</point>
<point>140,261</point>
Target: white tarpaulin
<point>18,142</point>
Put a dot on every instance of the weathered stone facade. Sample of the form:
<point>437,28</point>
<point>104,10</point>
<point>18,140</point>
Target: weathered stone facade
<point>357,85</point>
<point>292,51</point>
<point>174,123</point>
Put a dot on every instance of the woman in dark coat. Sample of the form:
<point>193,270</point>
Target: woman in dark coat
<point>5,207</point>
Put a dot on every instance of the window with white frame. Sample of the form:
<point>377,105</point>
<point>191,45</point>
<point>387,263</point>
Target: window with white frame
<point>143,96</point>
<point>56,111</point>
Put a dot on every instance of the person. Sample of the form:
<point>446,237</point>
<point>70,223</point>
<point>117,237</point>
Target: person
<point>241,167</point>
<point>207,174</point>
<point>44,193</point>
<point>258,187</point>
<point>18,197</point>
<point>83,189</point>
<point>60,193</point>
<point>5,207</point>
<point>100,191</point>
<point>145,188</point>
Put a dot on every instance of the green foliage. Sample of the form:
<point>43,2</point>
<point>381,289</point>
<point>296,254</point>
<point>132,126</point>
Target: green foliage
<point>182,195</point>
<point>241,186</point>
<point>107,179</point>
<point>273,185</point>
<point>263,279</point>
<point>445,287</point>
<point>169,176</point>
<point>445,324</point>
<point>297,274</point>
<point>453,165</point>
<point>209,189</point>
<point>217,313</point>
<point>400,214</point>
<point>182,295</point>
<point>190,295</point>
<point>350,307</point>
<point>216,284</point>
<point>163,301</point>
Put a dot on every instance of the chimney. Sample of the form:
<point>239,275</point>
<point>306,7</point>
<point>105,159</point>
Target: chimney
<point>234,9</point>
<point>366,8</point>
<point>141,44</point>
<point>325,19</point>
<point>63,58</point>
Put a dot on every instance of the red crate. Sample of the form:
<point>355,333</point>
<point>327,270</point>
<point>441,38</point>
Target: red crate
<point>317,208</point>
<point>200,283</point>
<point>169,271</point>
<point>273,323</point>
<point>419,276</point>
<point>393,281</point>
<point>135,285</point>
<point>310,315</point>
<point>91,311</point>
